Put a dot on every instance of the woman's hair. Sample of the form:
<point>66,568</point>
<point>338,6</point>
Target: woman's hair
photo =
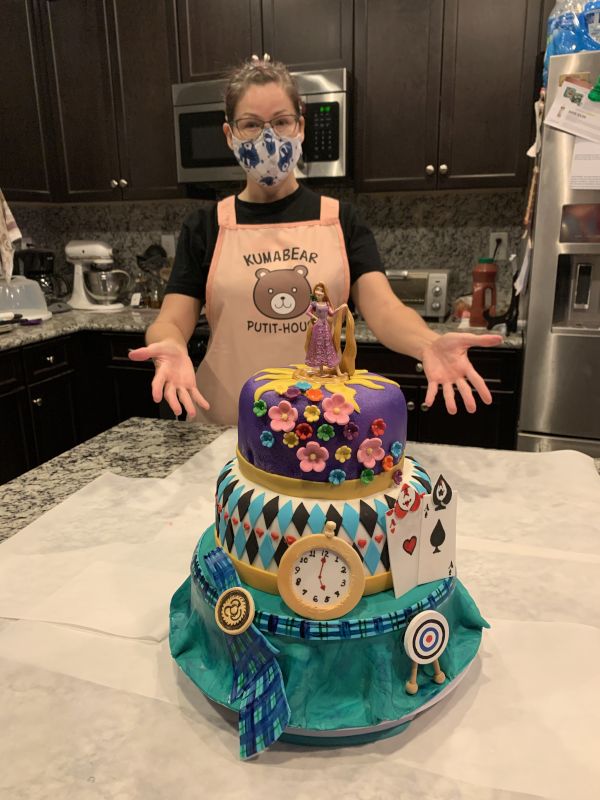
<point>257,72</point>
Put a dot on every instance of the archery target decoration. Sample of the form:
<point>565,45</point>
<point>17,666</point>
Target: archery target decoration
<point>426,637</point>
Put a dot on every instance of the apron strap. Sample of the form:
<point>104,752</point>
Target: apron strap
<point>226,212</point>
<point>330,209</point>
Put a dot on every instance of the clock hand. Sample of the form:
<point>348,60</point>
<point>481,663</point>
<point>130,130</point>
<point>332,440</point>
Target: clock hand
<point>323,560</point>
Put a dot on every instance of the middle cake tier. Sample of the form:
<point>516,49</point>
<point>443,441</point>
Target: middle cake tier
<point>256,525</point>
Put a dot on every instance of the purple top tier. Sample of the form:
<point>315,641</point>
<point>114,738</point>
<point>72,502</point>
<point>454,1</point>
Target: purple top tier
<point>287,426</point>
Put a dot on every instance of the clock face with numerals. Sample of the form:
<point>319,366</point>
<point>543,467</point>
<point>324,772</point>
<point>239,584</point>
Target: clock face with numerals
<point>321,577</point>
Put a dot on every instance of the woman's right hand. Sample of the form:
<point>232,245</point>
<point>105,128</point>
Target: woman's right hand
<point>175,377</point>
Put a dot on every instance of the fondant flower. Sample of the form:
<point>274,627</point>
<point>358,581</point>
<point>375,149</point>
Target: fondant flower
<point>312,413</point>
<point>312,457</point>
<point>367,475</point>
<point>303,385</point>
<point>325,432</point>
<point>283,417</point>
<point>343,453</point>
<point>260,408</point>
<point>337,476</point>
<point>350,431</point>
<point>315,395</point>
<point>304,430</point>
<point>397,476</point>
<point>388,463</point>
<point>292,392</point>
<point>370,451</point>
<point>267,439</point>
<point>290,439</point>
<point>378,427</point>
<point>396,449</point>
<point>337,409</point>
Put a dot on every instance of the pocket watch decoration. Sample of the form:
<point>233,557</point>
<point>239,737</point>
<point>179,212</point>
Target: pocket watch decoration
<point>321,576</point>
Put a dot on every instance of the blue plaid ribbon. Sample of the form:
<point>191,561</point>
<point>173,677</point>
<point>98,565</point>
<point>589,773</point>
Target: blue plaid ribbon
<point>257,678</point>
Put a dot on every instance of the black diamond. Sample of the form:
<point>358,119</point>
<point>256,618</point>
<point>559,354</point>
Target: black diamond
<point>222,477</point>
<point>354,547</point>
<point>229,536</point>
<point>270,511</point>
<point>252,547</point>
<point>368,517</point>
<point>227,492</point>
<point>243,503</point>
<point>333,515</point>
<point>391,501</point>
<point>385,557</point>
<point>300,518</point>
<point>281,549</point>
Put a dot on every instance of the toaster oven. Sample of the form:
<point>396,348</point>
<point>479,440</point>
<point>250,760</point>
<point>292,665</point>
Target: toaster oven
<point>425,290</point>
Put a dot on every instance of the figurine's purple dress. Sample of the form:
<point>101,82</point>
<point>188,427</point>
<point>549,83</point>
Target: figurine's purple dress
<point>321,352</point>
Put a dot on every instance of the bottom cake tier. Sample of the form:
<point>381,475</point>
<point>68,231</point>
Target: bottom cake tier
<point>344,679</point>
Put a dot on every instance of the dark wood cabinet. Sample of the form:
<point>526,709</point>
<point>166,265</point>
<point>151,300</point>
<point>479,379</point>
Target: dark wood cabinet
<point>25,146</point>
<point>491,426</point>
<point>215,35</point>
<point>466,71</point>
<point>16,433</point>
<point>52,405</point>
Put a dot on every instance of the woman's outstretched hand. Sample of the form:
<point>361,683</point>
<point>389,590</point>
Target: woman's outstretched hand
<point>175,377</point>
<point>446,364</point>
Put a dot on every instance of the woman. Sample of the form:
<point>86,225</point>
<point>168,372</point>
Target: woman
<point>253,259</point>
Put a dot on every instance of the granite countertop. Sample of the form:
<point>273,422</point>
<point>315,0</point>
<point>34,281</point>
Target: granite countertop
<point>131,320</point>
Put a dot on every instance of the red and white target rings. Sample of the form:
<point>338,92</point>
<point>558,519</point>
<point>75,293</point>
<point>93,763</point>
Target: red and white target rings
<point>426,637</point>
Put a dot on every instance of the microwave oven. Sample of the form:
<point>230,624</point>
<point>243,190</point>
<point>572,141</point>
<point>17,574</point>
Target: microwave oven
<point>424,290</point>
<point>202,151</point>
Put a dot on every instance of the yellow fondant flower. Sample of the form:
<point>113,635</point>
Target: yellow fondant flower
<point>312,413</point>
<point>343,453</point>
<point>291,439</point>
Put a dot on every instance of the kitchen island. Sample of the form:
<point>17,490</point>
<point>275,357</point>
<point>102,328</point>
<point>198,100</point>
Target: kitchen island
<point>97,713</point>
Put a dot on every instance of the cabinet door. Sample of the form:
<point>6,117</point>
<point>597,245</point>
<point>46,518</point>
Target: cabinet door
<point>398,47</point>
<point>77,56</point>
<point>133,392</point>
<point>53,412</point>
<point>144,62</point>
<point>310,34</point>
<point>215,35</point>
<point>16,435</point>
<point>488,76</point>
<point>23,133</point>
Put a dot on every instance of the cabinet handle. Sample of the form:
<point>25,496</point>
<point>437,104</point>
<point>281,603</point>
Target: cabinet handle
<point>123,183</point>
<point>50,359</point>
<point>419,367</point>
<point>37,401</point>
<point>443,169</point>
<point>114,183</point>
<point>424,407</point>
<point>410,405</point>
<point>430,169</point>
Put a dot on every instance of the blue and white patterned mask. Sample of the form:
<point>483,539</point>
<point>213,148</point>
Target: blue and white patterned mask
<point>268,159</point>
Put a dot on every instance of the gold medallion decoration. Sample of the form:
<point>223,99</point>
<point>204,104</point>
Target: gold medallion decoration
<point>234,611</point>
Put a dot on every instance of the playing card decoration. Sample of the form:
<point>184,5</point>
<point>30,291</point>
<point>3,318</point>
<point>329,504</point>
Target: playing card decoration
<point>425,640</point>
<point>442,494</point>
<point>437,553</point>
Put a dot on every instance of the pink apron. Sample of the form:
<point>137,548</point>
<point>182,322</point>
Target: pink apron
<point>257,293</point>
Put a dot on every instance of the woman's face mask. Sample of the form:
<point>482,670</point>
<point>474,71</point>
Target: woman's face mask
<point>267,159</point>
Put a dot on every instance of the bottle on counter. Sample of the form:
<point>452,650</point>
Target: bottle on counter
<point>484,292</point>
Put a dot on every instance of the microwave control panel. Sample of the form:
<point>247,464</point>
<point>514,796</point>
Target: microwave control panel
<point>322,131</point>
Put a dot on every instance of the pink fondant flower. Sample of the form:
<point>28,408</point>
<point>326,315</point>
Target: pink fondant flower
<point>337,409</point>
<point>283,417</point>
<point>312,457</point>
<point>370,451</point>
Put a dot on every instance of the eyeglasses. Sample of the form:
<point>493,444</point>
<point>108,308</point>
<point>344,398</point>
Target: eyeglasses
<point>249,128</point>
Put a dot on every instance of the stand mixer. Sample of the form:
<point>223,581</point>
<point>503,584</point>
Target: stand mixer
<point>96,285</point>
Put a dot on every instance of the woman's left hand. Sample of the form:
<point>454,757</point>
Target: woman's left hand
<point>446,364</point>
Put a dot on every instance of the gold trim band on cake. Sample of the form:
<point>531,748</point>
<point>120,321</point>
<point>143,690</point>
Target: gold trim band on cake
<point>267,581</point>
<point>318,490</point>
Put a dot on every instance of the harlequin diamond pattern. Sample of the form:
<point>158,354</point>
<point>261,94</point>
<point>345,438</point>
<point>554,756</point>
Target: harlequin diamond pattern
<point>222,476</point>
<point>372,557</point>
<point>270,510</point>
<point>316,520</point>
<point>251,547</point>
<point>385,557</point>
<point>266,550</point>
<point>227,491</point>
<point>229,479</point>
<point>229,536</point>
<point>281,548</point>
<point>350,520</point>
<point>368,517</point>
<point>284,517</point>
<point>300,518</point>
<point>333,515</point>
<point>240,540</point>
<point>244,503</point>
<point>255,509</point>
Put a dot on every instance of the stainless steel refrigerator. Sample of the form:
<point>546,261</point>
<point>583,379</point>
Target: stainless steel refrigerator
<point>560,404</point>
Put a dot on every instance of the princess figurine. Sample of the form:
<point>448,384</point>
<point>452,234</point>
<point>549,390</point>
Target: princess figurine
<point>323,345</point>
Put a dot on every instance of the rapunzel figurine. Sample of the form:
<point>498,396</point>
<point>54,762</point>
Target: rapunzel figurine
<point>323,339</point>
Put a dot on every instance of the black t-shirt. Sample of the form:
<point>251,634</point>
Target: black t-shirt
<point>199,236</point>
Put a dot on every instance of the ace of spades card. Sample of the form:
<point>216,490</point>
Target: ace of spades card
<point>403,535</point>
<point>437,555</point>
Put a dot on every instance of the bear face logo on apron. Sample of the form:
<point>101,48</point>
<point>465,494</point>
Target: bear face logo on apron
<point>257,295</point>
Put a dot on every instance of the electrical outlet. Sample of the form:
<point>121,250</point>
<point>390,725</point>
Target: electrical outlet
<point>499,252</point>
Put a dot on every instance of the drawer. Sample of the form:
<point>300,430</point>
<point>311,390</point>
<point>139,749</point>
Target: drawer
<point>117,347</point>
<point>49,358</point>
<point>11,371</point>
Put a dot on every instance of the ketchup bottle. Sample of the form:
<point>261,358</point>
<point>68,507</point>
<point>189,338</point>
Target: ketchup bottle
<point>484,292</point>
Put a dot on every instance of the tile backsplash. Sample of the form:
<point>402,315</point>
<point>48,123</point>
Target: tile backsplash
<point>441,229</point>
